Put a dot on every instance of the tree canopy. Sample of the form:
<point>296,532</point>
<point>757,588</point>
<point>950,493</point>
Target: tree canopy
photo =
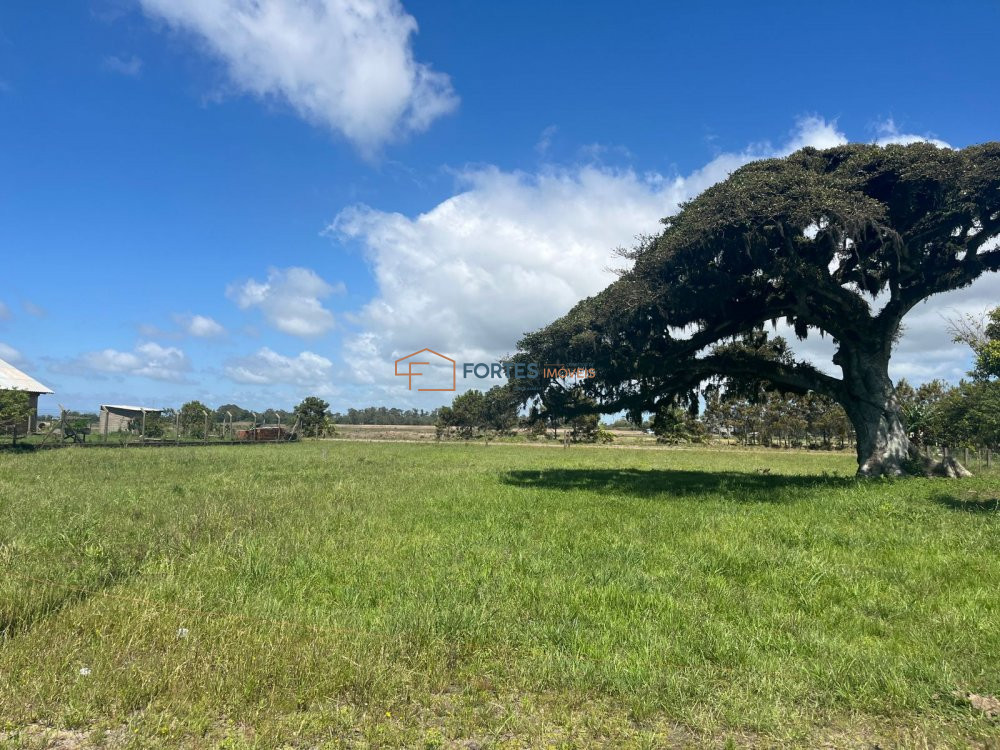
<point>841,242</point>
<point>475,412</point>
<point>314,416</point>
<point>193,418</point>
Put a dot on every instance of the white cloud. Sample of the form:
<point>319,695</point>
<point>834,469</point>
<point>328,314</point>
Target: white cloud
<point>290,299</point>
<point>889,133</point>
<point>809,131</point>
<point>148,360</point>
<point>510,253</point>
<point>926,351</point>
<point>187,324</point>
<point>10,354</point>
<point>34,310</point>
<point>5,313</point>
<point>816,132</point>
<point>267,367</point>
<point>347,65</point>
<point>545,139</point>
<point>130,66</point>
<point>200,326</point>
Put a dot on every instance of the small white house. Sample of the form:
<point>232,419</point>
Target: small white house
<point>12,379</point>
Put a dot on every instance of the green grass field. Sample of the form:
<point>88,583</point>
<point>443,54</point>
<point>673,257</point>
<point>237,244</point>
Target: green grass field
<point>333,594</point>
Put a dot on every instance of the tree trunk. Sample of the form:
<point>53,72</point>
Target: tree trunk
<point>883,447</point>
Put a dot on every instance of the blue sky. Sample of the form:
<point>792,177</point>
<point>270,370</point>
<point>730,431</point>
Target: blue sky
<point>254,202</point>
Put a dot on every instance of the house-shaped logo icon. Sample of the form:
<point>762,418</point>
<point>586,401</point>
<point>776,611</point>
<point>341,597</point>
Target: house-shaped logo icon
<point>424,357</point>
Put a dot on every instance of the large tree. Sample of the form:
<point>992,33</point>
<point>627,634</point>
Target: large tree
<point>841,242</point>
<point>314,416</point>
<point>193,419</point>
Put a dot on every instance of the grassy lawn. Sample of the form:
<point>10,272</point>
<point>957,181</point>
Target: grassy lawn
<point>379,595</point>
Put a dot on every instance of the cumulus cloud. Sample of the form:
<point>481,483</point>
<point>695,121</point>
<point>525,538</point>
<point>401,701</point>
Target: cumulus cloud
<point>809,131</point>
<point>267,367</point>
<point>186,324</point>
<point>888,133</point>
<point>126,66</point>
<point>36,311</point>
<point>813,131</point>
<point>511,252</point>
<point>290,300</point>
<point>10,354</point>
<point>148,360</point>
<point>545,139</point>
<point>347,65</point>
<point>199,326</point>
<point>926,350</point>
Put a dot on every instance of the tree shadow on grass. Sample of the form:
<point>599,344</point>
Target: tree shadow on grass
<point>19,448</point>
<point>970,505</point>
<point>758,487</point>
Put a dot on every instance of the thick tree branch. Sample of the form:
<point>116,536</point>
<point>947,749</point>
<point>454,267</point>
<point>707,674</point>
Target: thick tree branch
<point>985,234</point>
<point>815,282</point>
<point>797,376</point>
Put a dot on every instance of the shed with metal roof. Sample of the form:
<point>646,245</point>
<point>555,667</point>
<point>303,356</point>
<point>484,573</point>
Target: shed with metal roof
<point>118,417</point>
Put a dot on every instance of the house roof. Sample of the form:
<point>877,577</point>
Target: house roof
<point>120,409</point>
<point>12,379</point>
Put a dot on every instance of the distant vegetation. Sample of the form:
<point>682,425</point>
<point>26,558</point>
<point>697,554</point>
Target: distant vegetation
<point>383,415</point>
<point>313,417</point>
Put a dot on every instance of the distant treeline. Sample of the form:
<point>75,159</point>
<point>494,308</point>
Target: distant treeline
<point>773,419</point>
<point>375,415</point>
<point>382,415</point>
<point>379,415</point>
